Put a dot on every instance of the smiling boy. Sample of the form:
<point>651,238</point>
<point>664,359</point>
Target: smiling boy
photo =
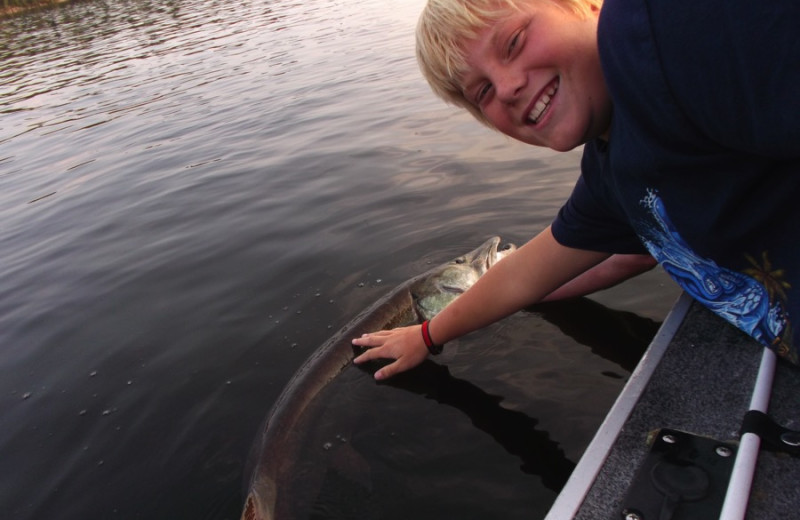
<point>539,86</point>
<point>688,115</point>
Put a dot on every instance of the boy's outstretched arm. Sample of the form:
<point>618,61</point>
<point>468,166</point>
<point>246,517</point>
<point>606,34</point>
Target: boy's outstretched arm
<point>612,271</point>
<point>521,279</point>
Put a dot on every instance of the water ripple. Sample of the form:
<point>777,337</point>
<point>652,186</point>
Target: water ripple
<point>194,195</point>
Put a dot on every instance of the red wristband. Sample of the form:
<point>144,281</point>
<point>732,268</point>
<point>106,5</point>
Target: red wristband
<point>433,348</point>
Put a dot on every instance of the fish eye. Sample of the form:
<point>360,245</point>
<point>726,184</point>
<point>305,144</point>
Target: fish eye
<point>506,247</point>
<point>460,260</point>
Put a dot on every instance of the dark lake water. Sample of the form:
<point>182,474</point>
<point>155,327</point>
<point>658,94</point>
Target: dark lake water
<point>195,195</point>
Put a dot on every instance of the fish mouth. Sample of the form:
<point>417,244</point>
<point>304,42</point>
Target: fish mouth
<point>452,289</point>
<point>495,253</point>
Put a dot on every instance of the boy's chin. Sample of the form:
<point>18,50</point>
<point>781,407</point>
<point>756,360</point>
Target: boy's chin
<point>557,144</point>
<point>565,146</point>
<point>560,139</point>
<point>567,142</point>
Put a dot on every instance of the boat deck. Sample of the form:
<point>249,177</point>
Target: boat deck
<point>697,377</point>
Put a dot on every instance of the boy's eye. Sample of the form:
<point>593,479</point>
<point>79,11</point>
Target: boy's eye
<point>482,91</point>
<point>517,39</point>
<point>512,45</point>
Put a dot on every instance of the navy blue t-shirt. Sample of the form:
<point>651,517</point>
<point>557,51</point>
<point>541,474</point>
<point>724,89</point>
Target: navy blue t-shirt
<point>702,166</point>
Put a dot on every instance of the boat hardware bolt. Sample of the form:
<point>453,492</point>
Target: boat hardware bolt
<point>669,439</point>
<point>723,451</point>
<point>791,438</point>
<point>632,516</point>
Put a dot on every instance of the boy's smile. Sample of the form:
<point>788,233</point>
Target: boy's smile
<point>542,102</point>
<point>535,75</point>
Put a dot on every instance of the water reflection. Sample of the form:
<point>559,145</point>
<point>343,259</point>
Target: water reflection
<point>621,337</point>
<point>515,431</point>
<point>193,195</point>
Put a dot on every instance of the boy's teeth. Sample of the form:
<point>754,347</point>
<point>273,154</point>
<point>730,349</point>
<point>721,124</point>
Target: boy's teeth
<point>541,105</point>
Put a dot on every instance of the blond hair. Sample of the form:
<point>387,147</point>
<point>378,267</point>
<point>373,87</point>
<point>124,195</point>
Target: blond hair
<point>445,25</point>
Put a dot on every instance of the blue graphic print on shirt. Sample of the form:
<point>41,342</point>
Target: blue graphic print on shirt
<point>735,296</point>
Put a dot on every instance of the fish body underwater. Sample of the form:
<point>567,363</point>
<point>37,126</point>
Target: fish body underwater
<point>289,432</point>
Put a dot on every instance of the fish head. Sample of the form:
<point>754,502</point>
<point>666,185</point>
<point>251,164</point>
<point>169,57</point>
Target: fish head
<point>435,289</point>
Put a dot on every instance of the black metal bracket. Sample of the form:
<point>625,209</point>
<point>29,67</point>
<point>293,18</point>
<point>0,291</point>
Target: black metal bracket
<point>683,477</point>
<point>774,436</point>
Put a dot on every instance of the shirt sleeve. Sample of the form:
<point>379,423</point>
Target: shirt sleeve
<point>592,218</point>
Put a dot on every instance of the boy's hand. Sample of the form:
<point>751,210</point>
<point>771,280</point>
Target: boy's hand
<point>405,345</point>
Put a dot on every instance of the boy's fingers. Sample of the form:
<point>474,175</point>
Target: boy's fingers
<point>388,344</point>
<point>392,369</point>
<point>385,373</point>
<point>370,340</point>
<point>378,353</point>
<point>367,356</point>
<point>373,345</point>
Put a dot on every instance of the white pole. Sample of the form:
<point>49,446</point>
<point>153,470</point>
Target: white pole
<point>744,467</point>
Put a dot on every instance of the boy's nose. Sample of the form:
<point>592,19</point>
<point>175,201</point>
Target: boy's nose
<point>509,86</point>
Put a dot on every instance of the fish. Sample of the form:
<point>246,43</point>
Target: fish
<point>290,424</point>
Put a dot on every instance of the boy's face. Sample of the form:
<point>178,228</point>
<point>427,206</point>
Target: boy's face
<point>536,76</point>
